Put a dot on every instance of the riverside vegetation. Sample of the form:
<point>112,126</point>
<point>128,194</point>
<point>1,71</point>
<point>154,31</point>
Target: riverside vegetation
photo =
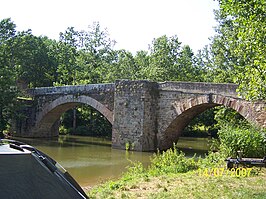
<point>172,175</point>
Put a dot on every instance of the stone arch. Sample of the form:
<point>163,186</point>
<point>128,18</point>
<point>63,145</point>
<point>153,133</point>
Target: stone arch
<point>47,119</point>
<point>184,111</point>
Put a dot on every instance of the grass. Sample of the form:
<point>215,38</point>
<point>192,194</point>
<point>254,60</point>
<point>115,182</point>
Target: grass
<point>184,185</point>
<point>172,175</point>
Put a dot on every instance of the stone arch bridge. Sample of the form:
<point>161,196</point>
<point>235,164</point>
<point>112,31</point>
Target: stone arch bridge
<point>147,115</point>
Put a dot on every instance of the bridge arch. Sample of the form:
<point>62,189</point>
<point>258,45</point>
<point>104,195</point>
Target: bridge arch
<point>47,119</point>
<point>183,111</point>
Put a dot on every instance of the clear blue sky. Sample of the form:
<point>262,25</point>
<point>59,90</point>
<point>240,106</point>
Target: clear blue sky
<point>132,23</point>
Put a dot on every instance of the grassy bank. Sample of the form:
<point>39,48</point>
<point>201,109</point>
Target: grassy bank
<point>172,175</point>
<point>184,185</point>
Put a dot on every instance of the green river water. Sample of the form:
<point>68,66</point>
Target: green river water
<point>92,160</point>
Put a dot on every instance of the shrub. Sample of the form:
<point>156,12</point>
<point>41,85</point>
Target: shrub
<point>212,160</point>
<point>171,161</point>
<point>135,170</point>
<point>248,139</point>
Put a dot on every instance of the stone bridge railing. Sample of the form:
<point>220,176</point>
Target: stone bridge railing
<point>200,88</point>
<point>80,89</point>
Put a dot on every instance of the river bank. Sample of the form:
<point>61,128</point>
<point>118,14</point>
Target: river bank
<point>185,185</point>
<point>173,175</point>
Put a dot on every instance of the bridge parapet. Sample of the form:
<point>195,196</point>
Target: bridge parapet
<point>80,89</point>
<point>200,88</point>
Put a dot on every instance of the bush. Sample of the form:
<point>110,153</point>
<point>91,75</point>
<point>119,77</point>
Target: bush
<point>248,139</point>
<point>171,161</point>
<point>135,170</point>
<point>212,160</point>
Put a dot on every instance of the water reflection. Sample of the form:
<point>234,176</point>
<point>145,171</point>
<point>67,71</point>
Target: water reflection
<point>191,146</point>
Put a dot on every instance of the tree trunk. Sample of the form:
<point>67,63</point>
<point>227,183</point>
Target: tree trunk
<point>90,120</point>
<point>74,119</point>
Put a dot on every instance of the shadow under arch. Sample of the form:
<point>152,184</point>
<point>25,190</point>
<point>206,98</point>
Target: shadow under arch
<point>184,111</point>
<point>47,120</point>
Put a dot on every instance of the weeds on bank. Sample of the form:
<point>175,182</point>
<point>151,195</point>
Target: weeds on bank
<point>171,161</point>
<point>172,175</point>
<point>168,163</point>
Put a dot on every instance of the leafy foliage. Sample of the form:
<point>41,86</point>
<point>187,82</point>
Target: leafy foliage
<point>251,141</point>
<point>171,161</point>
<point>203,125</point>
<point>7,97</point>
<point>84,56</point>
<point>239,47</point>
<point>7,74</point>
<point>33,61</point>
<point>225,116</point>
<point>89,122</point>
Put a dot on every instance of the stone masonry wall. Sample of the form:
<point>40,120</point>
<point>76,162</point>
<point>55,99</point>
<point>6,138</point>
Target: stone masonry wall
<point>104,93</point>
<point>135,119</point>
<point>43,97</point>
<point>200,88</point>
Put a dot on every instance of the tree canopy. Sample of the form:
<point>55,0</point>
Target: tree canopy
<point>239,47</point>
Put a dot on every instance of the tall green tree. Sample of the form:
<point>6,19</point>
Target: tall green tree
<point>7,75</point>
<point>97,55</point>
<point>241,38</point>
<point>67,53</point>
<point>8,96</point>
<point>142,61</point>
<point>34,65</point>
<point>85,56</point>
<point>124,66</point>
<point>187,67</point>
<point>169,61</point>
<point>7,37</point>
<point>164,53</point>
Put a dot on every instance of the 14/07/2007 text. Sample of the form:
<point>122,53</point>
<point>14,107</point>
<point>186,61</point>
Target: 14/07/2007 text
<point>218,172</point>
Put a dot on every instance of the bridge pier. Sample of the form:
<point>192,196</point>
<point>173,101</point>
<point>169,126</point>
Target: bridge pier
<point>135,115</point>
